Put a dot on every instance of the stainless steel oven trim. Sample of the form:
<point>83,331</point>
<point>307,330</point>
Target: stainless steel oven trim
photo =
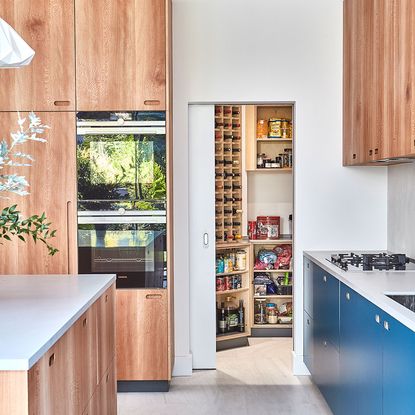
<point>116,220</point>
<point>121,213</point>
<point>121,124</point>
<point>121,130</point>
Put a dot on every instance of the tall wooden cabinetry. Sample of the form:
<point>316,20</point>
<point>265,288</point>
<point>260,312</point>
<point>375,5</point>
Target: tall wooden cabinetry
<point>121,55</point>
<point>48,83</point>
<point>379,81</point>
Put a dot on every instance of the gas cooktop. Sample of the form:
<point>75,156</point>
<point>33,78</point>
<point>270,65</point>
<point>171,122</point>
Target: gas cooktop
<point>372,262</point>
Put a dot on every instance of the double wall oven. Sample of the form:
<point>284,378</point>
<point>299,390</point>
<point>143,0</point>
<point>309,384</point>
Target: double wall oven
<point>121,162</point>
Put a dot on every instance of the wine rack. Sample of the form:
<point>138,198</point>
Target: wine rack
<point>228,173</point>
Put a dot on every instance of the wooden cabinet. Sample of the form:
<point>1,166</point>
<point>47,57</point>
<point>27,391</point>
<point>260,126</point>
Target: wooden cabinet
<point>48,83</point>
<point>106,338</point>
<point>142,335</point>
<point>379,75</point>
<point>120,55</point>
<point>52,180</point>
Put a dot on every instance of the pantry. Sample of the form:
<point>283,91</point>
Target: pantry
<point>254,204</point>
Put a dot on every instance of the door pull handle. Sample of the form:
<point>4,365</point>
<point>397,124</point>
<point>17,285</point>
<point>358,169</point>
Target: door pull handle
<point>153,296</point>
<point>205,239</point>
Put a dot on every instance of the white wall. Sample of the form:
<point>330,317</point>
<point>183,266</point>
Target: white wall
<point>401,209</point>
<point>267,51</point>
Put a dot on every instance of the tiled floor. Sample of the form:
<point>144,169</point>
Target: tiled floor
<point>251,380</point>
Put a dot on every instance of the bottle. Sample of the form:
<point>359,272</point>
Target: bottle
<point>236,223</point>
<point>241,316</point>
<point>227,162</point>
<point>236,187</point>
<point>222,319</point>
<point>227,187</point>
<point>231,312</point>
<point>227,137</point>
<point>219,175</point>
<point>227,149</point>
<point>236,150</point>
<point>218,199</point>
<point>235,211</point>
<point>218,162</point>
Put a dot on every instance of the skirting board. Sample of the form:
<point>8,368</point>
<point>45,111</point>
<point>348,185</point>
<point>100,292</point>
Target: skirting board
<point>143,386</point>
<point>183,365</point>
<point>299,368</point>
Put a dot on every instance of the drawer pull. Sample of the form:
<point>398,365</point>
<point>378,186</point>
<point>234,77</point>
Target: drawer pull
<point>62,103</point>
<point>122,277</point>
<point>85,322</point>
<point>348,296</point>
<point>377,318</point>
<point>386,325</point>
<point>52,359</point>
<point>106,298</point>
<point>151,102</point>
<point>325,344</point>
<point>325,279</point>
<point>153,296</point>
<point>107,378</point>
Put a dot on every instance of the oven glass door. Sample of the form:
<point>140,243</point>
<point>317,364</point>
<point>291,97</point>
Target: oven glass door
<point>134,249</point>
<point>121,167</point>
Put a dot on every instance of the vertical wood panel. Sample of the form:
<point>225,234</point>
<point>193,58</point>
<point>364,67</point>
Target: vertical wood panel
<point>120,54</point>
<point>48,27</point>
<point>142,335</point>
<point>52,180</point>
<point>14,393</point>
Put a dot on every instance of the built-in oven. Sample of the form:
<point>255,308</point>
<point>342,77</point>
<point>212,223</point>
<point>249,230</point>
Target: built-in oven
<point>121,163</point>
<point>133,246</point>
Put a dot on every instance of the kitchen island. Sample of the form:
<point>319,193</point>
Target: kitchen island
<point>57,345</point>
<point>359,343</point>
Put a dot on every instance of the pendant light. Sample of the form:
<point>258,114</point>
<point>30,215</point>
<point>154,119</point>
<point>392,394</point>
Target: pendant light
<point>14,51</point>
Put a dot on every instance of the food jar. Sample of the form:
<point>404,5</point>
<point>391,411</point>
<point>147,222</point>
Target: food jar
<point>241,260</point>
<point>272,313</point>
<point>260,313</point>
<point>262,129</point>
<point>275,130</point>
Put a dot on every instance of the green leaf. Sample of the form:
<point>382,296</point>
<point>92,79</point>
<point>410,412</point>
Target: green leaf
<point>7,237</point>
<point>21,238</point>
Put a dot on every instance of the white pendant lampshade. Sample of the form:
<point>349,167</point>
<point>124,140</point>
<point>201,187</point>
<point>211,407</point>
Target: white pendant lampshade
<point>14,51</point>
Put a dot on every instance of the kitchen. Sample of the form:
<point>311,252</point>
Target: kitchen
<point>336,208</point>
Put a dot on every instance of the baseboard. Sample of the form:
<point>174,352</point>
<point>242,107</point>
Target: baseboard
<point>299,368</point>
<point>183,365</point>
<point>143,386</point>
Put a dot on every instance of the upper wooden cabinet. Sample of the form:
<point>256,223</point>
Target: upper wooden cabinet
<point>52,180</point>
<point>48,83</point>
<point>379,75</point>
<point>120,54</point>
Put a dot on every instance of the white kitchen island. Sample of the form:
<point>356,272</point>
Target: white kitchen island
<point>57,345</point>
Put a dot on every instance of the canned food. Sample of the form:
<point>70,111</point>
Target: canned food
<point>227,283</point>
<point>252,229</point>
<point>268,227</point>
<point>220,286</point>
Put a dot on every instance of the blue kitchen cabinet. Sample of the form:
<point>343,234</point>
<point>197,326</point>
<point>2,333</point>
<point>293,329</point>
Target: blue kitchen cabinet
<point>361,333</point>
<point>398,368</point>
<point>308,342</point>
<point>308,287</point>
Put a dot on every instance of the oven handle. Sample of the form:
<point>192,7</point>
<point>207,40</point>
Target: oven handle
<point>121,130</point>
<point>121,212</point>
<point>96,220</point>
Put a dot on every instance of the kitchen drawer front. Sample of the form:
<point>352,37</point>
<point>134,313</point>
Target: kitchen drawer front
<point>308,286</point>
<point>308,342</point>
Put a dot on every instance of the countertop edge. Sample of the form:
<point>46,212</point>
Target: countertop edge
<point>389,306</point>
<point>27,364</point>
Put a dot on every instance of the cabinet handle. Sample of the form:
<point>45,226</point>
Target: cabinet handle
<point>348,296</point>
<point>370,152</point>
<point>308,322</point>
<point>354,156</point>
<point>62,103</point>
<point>122,277</point>
<point>308,265</point>
<point>377,318</point>
<point>51,359</point>
<point>376,151</point>
<point>85,322</point>
<point>151,102</point>
<point>324,278</point>
<point>106,298</point>
<point>153,296</point>
<point>325,343</point>
<point>107,378</point>
<point>386,325</point>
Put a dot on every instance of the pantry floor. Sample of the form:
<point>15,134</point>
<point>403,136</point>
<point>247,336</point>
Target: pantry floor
<point>250,380</point>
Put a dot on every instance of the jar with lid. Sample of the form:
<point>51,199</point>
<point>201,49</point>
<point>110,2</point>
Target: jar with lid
<point>260,313</point>
<point>272,313</point>
<point>262,129</point>
<point>241,260</point>
<point>260,160</point>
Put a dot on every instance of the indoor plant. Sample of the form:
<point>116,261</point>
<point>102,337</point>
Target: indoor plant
<point>11,223</point>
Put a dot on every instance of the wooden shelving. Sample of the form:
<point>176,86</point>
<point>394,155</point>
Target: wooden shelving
<point>272,326</point>
<point>280,271</point>
<point>271,170</point>
<point>259,297</point>
<point>238,290</point>
<point>228,172</point>
<point>232,273</point>
<point>283,240</point>
<point>230,336</point>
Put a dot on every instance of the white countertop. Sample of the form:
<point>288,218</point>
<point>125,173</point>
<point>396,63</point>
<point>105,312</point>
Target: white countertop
<point>373,285</point>
<point>35,311</point>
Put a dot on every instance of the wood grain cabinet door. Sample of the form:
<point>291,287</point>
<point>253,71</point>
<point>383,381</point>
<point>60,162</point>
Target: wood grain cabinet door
<point>48,83</point>
<point>52,180</point>
<point>120,54</point>
<point>142,335</point>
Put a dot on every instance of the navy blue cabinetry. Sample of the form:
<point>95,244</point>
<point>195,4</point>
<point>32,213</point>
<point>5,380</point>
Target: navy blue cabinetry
<point>308,342</point>
<point>398,368</point>
<point>308,287</point>
<point>360,386</point>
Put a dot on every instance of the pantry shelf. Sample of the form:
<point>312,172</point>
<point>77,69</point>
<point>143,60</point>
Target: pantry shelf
<point>238,290</point>
<point>274,140</point>
<point>273,170</point>
<point>232,273</point>
<point>272,326</point>
<point>283,240</point>
<point>230,336</point>
<point>280,271</point>
<point>259,297</point>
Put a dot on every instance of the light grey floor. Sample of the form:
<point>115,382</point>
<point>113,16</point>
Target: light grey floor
<point>251,380</point>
